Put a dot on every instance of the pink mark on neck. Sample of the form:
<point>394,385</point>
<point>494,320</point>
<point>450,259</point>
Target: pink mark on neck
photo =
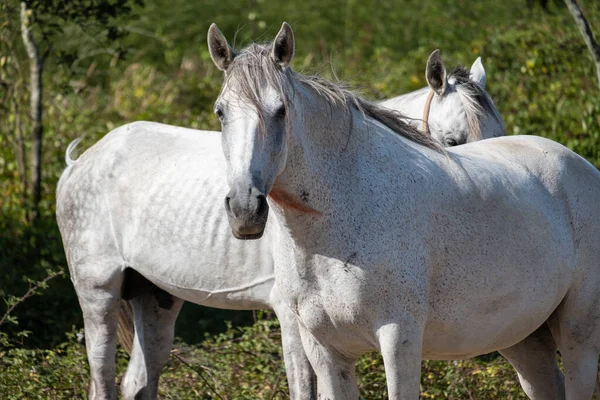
<point>288,200</point>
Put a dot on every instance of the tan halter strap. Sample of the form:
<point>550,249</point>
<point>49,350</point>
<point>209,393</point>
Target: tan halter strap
<point>426,113</point>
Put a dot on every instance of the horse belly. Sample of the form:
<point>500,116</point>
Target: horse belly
<point>494,282</point>
<point>252,295</point>
<point>222,275</point>
<point>491,318</point>
<point>442,342</point>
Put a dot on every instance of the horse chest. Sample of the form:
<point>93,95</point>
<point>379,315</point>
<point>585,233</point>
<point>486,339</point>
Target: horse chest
<point>332,300</point>
<point>335,318</point>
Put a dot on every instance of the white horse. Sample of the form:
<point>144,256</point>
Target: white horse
<point>135,243</point>
<point>140,219</point>
<point>455,108</point>
<point>384,241</point>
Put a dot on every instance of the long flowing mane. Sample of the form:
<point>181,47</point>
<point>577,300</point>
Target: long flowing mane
<point>477,103</point>
<point>254,69</point>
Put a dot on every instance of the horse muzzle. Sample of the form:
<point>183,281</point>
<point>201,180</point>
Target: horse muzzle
<point>247,215</point>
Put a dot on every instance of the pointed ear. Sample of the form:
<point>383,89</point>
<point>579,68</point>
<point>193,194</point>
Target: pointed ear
<point>477,73</point>
<point>283,46</point>
<point>221,52</point>
<point>435,73</point>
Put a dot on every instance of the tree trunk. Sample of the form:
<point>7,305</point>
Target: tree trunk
<point>586,32</point>
<point>21,152</point>
<point>36,64</point>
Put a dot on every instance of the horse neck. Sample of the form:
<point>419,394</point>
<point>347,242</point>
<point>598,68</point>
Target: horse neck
<point>329,161</point>
<point>410,104</point>
<point>492,124</point>
<point>317,142</point>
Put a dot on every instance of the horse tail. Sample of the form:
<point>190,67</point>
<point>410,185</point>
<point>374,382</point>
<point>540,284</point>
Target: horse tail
<point>70,162</point>
<point>125,329</point>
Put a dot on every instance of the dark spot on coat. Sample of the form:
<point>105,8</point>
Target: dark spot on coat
<point>304,195</point>
<point>350,258</point>
<point>344,375</point>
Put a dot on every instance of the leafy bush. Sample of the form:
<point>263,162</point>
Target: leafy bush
<point>238,364</point>
<point>60,373</point>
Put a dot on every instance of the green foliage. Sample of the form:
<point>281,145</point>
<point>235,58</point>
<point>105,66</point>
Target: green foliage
<point>100,21</point>
<point>60,373</point>
<point>240,363</point>
<point>539,74</point>
<point>12,301</point>
<point>28,254</point>
<point>548,87</point>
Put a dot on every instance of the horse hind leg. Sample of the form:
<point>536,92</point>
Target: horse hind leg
<point>534,358</point>
<point>576,328</point>
<point>98,287</point>
<point>154,315</point>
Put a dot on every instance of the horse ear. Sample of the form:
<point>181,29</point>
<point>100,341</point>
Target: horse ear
<point>283,46</point>
<point>221,52</point>
<point>435,73</point>
<point>477,73</point>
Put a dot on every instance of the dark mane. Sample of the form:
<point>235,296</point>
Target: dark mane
<point>254,69</point>
<point>475,99</point>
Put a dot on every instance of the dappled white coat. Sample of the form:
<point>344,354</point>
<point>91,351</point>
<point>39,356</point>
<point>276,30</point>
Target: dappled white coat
<point>382,243</point>
<point>149,197</point>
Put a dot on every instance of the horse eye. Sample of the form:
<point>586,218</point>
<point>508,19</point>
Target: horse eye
<point>451,142</point>
<point>219,114</point>
<point>280,113</point>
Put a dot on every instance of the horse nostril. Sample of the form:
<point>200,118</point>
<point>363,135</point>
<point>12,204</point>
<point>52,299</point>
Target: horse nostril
<point>263,206</point>
<point>228,206</point>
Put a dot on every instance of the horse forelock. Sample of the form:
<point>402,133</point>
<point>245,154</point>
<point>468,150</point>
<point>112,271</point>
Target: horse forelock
<point>253,69</point>
<point>476,102</point>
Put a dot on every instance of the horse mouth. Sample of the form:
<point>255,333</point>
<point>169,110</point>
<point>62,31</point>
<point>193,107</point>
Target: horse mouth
<point>247,236</point>
<point>247,222</point>
<point>248,230</point>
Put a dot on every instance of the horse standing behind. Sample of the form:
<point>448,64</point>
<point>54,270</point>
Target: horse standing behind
<point>383,241</point>
<point>139,220</point>
<point>455,108</point>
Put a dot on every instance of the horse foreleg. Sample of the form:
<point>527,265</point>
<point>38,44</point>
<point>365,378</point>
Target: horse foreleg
<point>401,349</point>
<point>336,378</point>
<point>153,339</point>
<point>534,358</point>
<point>300,375</point>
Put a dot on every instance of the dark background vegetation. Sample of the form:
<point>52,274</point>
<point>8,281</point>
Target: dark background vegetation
<point>106,63</point>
